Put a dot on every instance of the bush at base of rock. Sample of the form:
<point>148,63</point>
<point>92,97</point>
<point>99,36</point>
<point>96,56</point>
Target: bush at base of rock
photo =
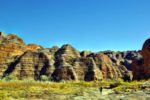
<point>44,78</point>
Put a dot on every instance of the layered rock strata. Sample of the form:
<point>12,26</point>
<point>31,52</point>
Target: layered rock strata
<point>66,63</point>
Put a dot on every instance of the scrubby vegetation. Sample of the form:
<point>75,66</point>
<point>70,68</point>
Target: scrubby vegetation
<point>132,86</point>
<point>14,89</point>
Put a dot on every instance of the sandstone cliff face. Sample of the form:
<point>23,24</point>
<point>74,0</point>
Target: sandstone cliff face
<point>10,47</point>
<point>123,58</point>
<point>31,65</point>
<point>141,67</point>
<point>71,66</point>
<point>109,69</point>
<point>66,63</point>
<point>146,56</point>
<point>64,59</point>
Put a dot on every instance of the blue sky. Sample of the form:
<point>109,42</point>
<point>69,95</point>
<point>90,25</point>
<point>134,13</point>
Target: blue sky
<point>95,25</point>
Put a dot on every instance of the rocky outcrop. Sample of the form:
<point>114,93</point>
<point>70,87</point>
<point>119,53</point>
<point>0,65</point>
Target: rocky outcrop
<point>31,65</point>
<point>63,63</point>
<point>71,66</point>
<point>11,46</point>
<point>66,63</point>
<point>123,58</point>
<point>146,56</point>
<point>85,53</point>
<point>109,69</point>
<point>141,67</point>
<point>33,47</point>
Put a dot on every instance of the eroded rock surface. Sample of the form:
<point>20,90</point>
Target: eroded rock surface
<point>141,67</point>
<point>66,63</point>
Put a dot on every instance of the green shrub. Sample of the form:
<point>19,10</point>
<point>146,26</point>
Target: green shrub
<point>9,78</point>
<point>44,78</point>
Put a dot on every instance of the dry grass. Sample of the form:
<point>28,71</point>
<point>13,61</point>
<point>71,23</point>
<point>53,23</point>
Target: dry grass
<point>26,89</point>
<point>130,86</point>
<point>29,89</point>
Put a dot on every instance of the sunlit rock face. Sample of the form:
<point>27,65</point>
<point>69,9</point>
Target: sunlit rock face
<point>66,63</point>
<point>64,59</point>
<point>109,69</point>
<point>89,66</point>
<point>33,47</point>
<point>123,58</point>
<point>141,66</point>
<point>71,66</point>
<point>31,65</point>
<point>11,46</point>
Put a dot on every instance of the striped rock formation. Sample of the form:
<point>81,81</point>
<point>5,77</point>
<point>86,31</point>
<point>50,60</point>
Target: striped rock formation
<point>66,63</point>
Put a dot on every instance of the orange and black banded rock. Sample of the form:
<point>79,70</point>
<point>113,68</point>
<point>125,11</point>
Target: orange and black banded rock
<point>66,63</point>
